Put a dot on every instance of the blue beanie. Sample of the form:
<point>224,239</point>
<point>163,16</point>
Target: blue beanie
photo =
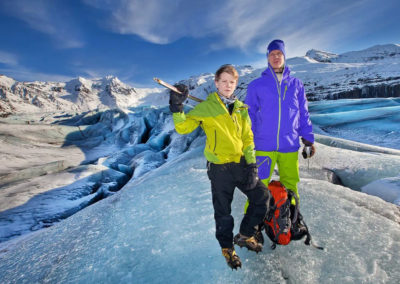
<point>276,44</point>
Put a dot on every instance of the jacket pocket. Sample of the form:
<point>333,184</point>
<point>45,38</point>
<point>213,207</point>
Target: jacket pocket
<point>257,124</point>
<point>212,140</point>
<point>264,166</point>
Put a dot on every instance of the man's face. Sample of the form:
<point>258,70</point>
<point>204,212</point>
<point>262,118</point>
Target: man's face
<point>276,59</point>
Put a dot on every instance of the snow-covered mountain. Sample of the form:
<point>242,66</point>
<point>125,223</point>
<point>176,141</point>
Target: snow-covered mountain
<point>373,72</point>
<point>321,56</point>
<point>369,73</point>
<point>77,95</point>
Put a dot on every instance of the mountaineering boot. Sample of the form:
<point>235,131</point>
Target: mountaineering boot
<point>232,259</point>
<point>259,237</point>
<point>250,243</point>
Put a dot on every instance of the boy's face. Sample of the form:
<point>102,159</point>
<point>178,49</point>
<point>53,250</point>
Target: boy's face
<point>276,59</point>
<point>226,84</point>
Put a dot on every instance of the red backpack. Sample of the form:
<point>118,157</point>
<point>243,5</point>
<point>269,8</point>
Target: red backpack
<point>283,222</point>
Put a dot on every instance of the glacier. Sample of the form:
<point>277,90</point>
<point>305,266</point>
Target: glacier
<point>373,121</point>
<point>156,223</point>
<point>160,229</point>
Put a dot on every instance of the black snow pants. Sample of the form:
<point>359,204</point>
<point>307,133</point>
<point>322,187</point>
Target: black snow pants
<point>224,179</point>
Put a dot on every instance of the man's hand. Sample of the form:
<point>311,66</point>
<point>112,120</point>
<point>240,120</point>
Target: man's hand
<point>308,149</point>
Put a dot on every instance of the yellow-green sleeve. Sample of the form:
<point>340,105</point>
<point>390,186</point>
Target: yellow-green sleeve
<point>248,139</point>
<point>185,124</point>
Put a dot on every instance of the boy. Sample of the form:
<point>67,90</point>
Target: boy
<point>230,155</point>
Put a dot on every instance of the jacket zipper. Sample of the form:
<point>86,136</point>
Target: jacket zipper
<point>284,93</point>
<point>233,117</point>
<point>235,122</point>
<point>278,87</point>
<point>215,139</point>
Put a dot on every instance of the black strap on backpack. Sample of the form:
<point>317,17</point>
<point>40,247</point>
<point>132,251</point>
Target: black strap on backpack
<point>298,218</point>
<point>308,240</point>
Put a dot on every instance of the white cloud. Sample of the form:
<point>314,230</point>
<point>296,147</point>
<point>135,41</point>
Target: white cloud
<point>8,58</point>
<point>241,24</point>
<point>24,74</point>
<point>160,21</point>
<point>47,17</point>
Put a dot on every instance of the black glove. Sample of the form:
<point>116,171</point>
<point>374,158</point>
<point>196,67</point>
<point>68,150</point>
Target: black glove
<point>251,176</point>
<point>176,100</point>
<point>308,149</point>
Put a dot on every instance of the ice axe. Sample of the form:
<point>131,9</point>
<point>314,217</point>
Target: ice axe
<point>169,86</point>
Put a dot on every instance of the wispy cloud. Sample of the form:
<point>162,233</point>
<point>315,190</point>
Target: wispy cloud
<point>8,58</point>
<point>247,24</point>
<point>14,70</point>
<point>47,17</point>
<point>25,74</point>
<point>160,21</point>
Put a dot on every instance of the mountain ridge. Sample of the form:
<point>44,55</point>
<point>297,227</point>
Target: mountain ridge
<point>371,72</point>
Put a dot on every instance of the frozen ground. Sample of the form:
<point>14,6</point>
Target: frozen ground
<point>55,165</point>
<point>160,229</point>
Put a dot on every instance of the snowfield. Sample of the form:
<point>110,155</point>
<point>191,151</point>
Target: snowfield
<point>160,228</point>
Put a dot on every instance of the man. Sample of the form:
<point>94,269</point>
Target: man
<point>278,110</point>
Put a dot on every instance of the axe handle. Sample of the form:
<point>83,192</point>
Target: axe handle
<point>169,86</point>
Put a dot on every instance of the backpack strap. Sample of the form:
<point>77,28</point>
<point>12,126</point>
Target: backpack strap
<point>286,207</point>
<point>291,195</point>
<point>308,240</point>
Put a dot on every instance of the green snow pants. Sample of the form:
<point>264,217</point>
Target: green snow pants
<point>288,168</point>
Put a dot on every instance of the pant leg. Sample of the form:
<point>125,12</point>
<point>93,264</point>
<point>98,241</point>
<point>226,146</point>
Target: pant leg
<point>257,198</point>
<point>266,163</point>
<point>222,188</point>
<point>288,166</point>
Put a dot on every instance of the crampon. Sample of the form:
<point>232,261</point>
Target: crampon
<point>250,243</point>
<point>232,259</point>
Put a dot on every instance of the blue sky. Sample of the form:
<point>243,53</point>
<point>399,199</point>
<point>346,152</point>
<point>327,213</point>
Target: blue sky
<point>55,40</point>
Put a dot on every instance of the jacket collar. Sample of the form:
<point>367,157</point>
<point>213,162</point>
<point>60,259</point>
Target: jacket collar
<point>270,72</point>
<point>215,97</point>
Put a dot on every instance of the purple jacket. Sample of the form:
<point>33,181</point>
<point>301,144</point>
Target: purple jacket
<point>279,113</point>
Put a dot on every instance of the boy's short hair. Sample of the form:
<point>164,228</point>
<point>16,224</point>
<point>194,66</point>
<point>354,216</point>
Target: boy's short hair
<point>227,68</point>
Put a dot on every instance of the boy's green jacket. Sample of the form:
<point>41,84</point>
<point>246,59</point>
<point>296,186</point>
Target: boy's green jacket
<point>229,137</point>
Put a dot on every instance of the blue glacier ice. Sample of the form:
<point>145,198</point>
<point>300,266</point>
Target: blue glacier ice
<point>160,229</point>
<point>157,226</point>
<point>371,121</point>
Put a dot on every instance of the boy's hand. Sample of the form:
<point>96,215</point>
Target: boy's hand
<point>176,100</point>
<point>251,176</point>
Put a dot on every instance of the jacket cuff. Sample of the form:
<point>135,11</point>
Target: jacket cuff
<point>306,142</point>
